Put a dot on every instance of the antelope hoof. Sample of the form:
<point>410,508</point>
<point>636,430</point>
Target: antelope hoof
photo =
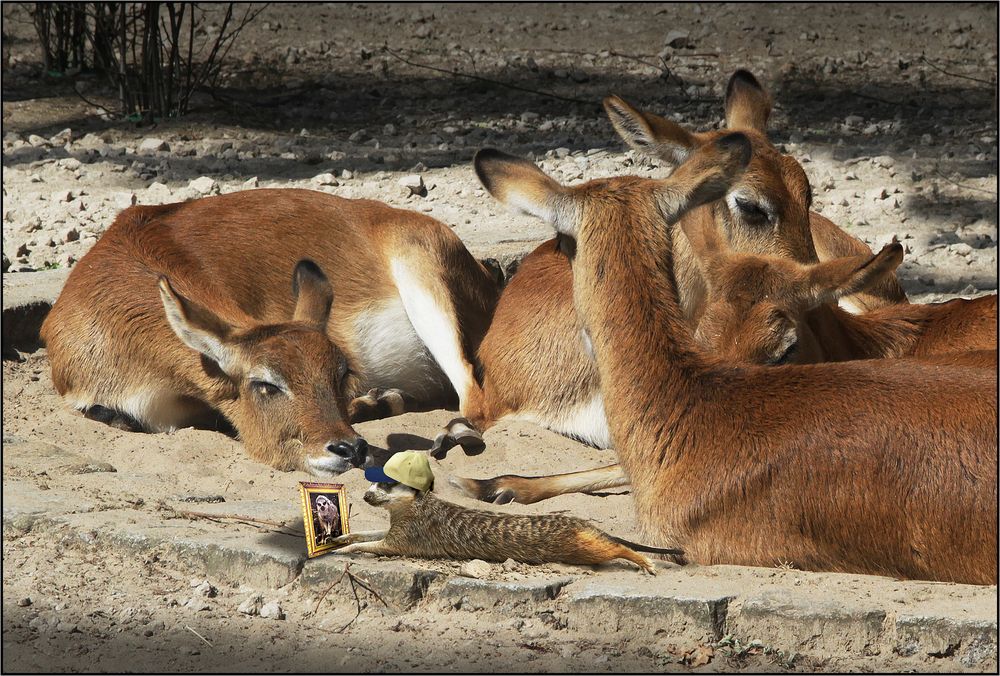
<point>377,404</point>
<point>458,433</point>
<point>503,497</point>
<point>485,490</point>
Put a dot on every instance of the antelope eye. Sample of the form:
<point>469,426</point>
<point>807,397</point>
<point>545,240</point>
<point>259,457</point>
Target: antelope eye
<point>264,388</point>
<point>787,356</point>
<point>751,211</point>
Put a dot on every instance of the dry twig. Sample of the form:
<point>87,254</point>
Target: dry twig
<point>207,642</point>
<point>249,520</point>
<point>458,73</point>
<point>964,77</point>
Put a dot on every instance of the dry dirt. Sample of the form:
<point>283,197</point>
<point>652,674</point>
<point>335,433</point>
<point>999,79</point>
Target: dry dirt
<point>890,108</point>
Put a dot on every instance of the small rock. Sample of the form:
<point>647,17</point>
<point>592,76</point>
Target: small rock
<point>360,136</point>
<point>475,569</point>
<point>251,606</point>
<point>196,604</point>
<point>124,200</point>
<point>251,183</point>
<point>204,185</point>
<point>37,141</point>
<point>967,291</point>
<point>70,164</point>
<point>961,248</point>
<point>62,138</point>
<point>272,611</point>
<point>884,161</point>
<point>529,116</point>
<point>414,183</point>
<point>677,39</point>
<point>23,250</point>
<point>70,235</point>
<point>878,194</point>
<point>206,589</point>
<point>325,179</point>
<point>853,120</point>
<point>25,602</point>
<point>347,174</point>
<point>152,145</point>
<point>62,196</point>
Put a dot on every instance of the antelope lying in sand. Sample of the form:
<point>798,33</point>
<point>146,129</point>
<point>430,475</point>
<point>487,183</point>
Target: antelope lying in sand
<point>532,362</point>
<point>879,466</point>
<point>763,310</point>
<point>182,312</point>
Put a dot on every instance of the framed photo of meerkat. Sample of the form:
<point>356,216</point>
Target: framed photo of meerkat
<point>324,513</point>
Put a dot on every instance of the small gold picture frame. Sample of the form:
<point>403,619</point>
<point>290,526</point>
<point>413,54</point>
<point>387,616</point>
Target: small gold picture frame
<point>324,513</point>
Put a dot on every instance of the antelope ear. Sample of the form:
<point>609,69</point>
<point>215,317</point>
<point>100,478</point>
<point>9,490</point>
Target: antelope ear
<point>520,185</point>
<point>313,294</point>
<point>853,274</point>
<point>200,329</point>
<point>650,134</point>
<point>705,177</point>
<point>707,243</point>
<point>748,105</point>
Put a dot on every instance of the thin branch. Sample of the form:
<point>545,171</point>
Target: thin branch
<point>964,77</point>
<point>962,185</point>
<point>327,590</point>
<point>241,518</point>
<point>456,73</point>
<point>207,642</point>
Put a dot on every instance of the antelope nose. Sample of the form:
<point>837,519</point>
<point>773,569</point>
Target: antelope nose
<point>356,452</point>
<point>360,452</point>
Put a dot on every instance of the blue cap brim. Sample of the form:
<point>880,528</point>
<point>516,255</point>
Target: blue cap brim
<point>377,476</point>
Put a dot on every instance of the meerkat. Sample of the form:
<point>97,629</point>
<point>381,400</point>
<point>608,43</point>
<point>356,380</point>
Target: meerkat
<point>423,526</point>
<point>328,516</point>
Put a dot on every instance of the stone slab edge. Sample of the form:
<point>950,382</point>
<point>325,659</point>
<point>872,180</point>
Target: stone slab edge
<point>586,602</point>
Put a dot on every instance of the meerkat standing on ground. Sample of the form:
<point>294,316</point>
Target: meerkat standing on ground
<point>422,526</point>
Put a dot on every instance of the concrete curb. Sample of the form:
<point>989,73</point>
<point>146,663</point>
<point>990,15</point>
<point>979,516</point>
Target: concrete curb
<point>949,627</point>
<point>27,299</point>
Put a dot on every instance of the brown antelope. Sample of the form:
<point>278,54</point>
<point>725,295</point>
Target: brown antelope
<point>879,466</point>
<point>771,310</point>
<point>532,363</point>
<point>185,311</point>
<point>748,107</point>
<point>760,310</point>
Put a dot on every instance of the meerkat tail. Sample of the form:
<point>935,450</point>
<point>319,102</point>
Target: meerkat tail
<point>636,558</point>
<point>670,551</point>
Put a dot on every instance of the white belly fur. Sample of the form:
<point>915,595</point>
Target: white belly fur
<point>393,356</point>
<point>586,422</point>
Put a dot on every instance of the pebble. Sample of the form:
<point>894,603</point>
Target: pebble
<point>206,589</point>
<point>204,185</point>
<point>325,179</point>
<point>24,603</point>
<point>475,568</point>
<point>414,183</point>
<point>251,183</point>
<point>272,611</point>
<point>152,145</point>
<point>70,235</point>
<point>251,606</point>
<point>677,39</point>
<point>196,604</point>
<point>37,141</point>
<point>62,196</point>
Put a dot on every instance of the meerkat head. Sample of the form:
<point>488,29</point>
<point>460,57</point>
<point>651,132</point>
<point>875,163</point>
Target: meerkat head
<point>384,494</point>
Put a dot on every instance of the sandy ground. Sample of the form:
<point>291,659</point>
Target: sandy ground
<point>890,109</point>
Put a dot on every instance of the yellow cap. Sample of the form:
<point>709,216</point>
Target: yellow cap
<point>411,469</point>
